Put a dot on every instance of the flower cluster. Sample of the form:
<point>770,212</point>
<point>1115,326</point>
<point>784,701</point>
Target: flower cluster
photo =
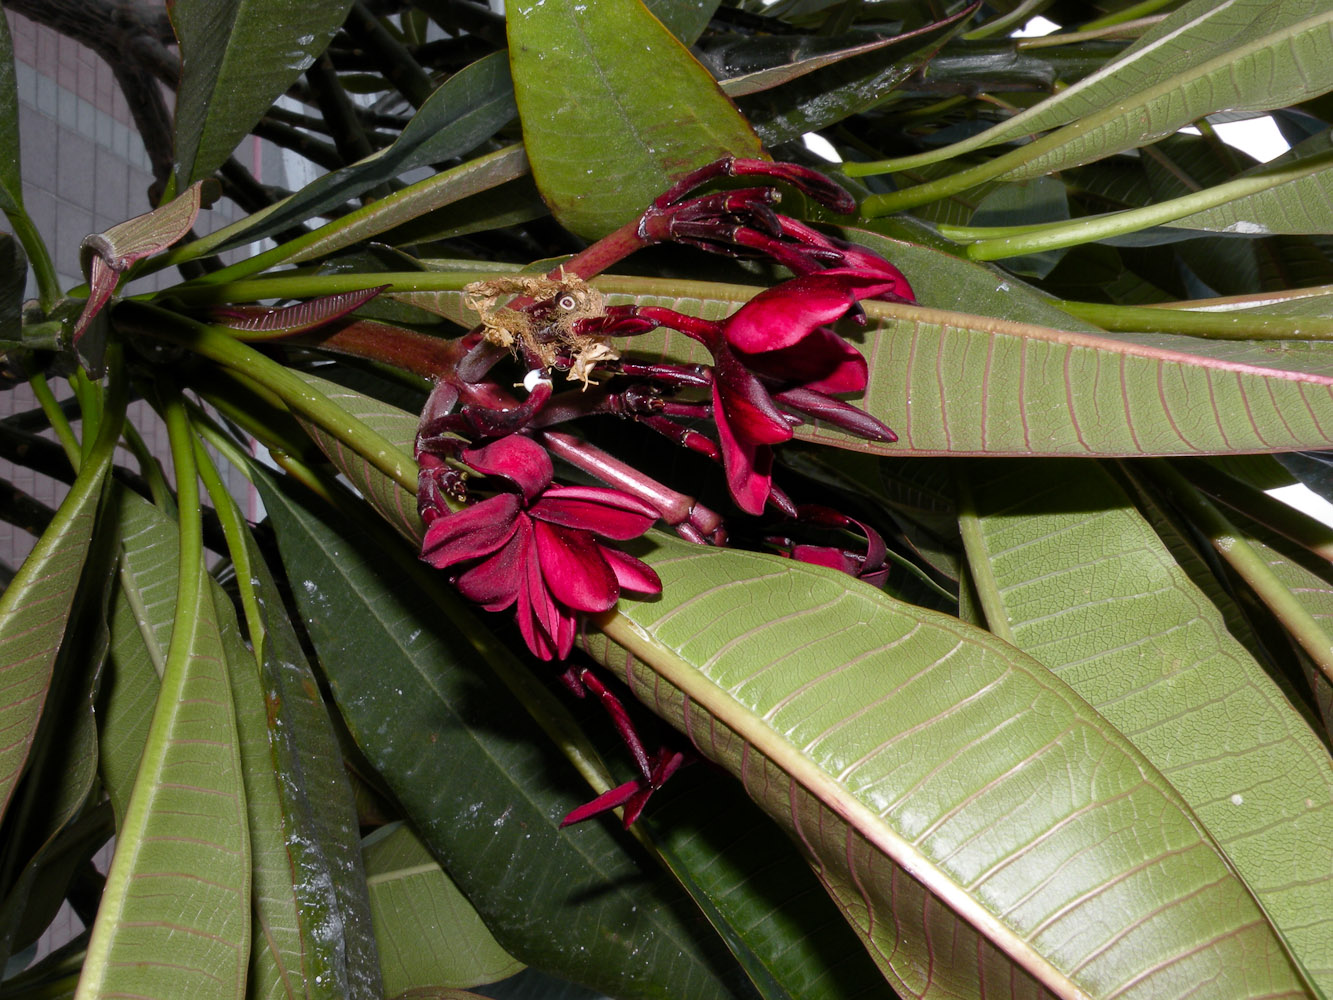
<point>549,551</point>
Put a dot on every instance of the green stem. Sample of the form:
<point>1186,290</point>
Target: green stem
<point>233,529</point>
<point>1198,323</point>
<point>150,468</point>
<point>998,242</point>
<point>299,286</point>
<point>216,345</point>
<point>1255,504</point>
<point>48,285</point>
<point>1241,556</point>
<point>402,206</point>
<point>59,424</point>
<point>1020,15</point>
<point>1089,34</point>
<point>1130,13</point>
<point>89,395</point>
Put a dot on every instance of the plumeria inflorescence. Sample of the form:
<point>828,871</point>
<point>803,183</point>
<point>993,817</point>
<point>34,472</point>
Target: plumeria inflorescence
<point>549,551</point>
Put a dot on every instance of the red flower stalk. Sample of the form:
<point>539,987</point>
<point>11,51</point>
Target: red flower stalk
<point>538,546</point>
<point>778,341</point>
<point>869,565</point>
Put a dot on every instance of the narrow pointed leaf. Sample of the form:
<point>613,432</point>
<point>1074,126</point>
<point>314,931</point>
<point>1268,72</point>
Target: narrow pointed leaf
<point>34,608</point>
<point>259,322</point>
<point>11,184</point>
<point>428,933</point>
<point>605,134</point>
<point>1132,634</point>
<point>175,916</point>
<point>464,111</point>
<point>475,780</point>
<point>13,275</point>
<point>1246,55</point>
<point>237,57</point>
<point>309,883</point>
<point>142,608</point>
<point>938,778</point>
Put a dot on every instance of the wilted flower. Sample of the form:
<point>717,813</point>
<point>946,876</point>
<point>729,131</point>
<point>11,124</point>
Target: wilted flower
<point>538,546</point>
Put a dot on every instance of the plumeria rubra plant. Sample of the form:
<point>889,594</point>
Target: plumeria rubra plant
<point>601,548</point>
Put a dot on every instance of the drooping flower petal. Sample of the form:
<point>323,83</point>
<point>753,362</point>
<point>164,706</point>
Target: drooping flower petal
<point>748,466</point>
<point>632,574</point>
<point>605,512</point>
<point>573,568</point>
<point>784,314</point>
<point>741,402</point>
<point>521,460</point>
<point>473,532</point>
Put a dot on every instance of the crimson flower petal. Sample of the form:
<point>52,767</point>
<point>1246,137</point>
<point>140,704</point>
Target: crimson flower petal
<point>473,532</point>
<point>748,466</point>
<point>632,574</point>
<point>605,512</point>
<point>520,460</point>
<point>823,362</point>
<point>741,401</point>
<point>784,314</point>
<point>495,583</point>
<point>573,568</point>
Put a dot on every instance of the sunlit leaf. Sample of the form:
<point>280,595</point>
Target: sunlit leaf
<point>605,134</point>
<point>237,57</point>
<point>1131,633</point>
<point>938,778</point>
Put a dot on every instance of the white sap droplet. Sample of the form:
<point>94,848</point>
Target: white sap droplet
<point>1237,799</point>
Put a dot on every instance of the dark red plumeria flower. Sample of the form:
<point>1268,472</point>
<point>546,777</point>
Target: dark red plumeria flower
<point>777,349</point>
<point>869,565</point>
<point>538,546</point>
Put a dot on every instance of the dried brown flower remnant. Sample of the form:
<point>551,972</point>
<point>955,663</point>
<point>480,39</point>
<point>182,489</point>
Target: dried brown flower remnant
<point>547,330</point>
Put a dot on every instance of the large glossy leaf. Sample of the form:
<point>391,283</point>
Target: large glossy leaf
<point>34,608</point>
<point>606,134</point>
<point>485,796</point>
<point>1128,630</point>
<point>175,916</point>
<point>237,57</point>
<point>977,820</point>
<point>428,933</point>
<point>1204,57</point>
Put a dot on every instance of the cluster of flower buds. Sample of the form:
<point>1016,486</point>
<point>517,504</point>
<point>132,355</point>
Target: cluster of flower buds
<point>519,541</point>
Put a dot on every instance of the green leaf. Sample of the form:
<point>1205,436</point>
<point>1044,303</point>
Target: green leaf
<point>34,608</point>
<point>11,184</point>
<point>468,108</point>
<point>485,795</point>
<point>174,918</point>
<point>237,57</point>
<point>1130,632</point>
<point>309,885</point>
<point>142,609</point>
<point>686,19</point>
<point>939,779</point>
<point>606,134</point>
<point>428,933</point>
<point>1248,55</point>
<point>395,504</point>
